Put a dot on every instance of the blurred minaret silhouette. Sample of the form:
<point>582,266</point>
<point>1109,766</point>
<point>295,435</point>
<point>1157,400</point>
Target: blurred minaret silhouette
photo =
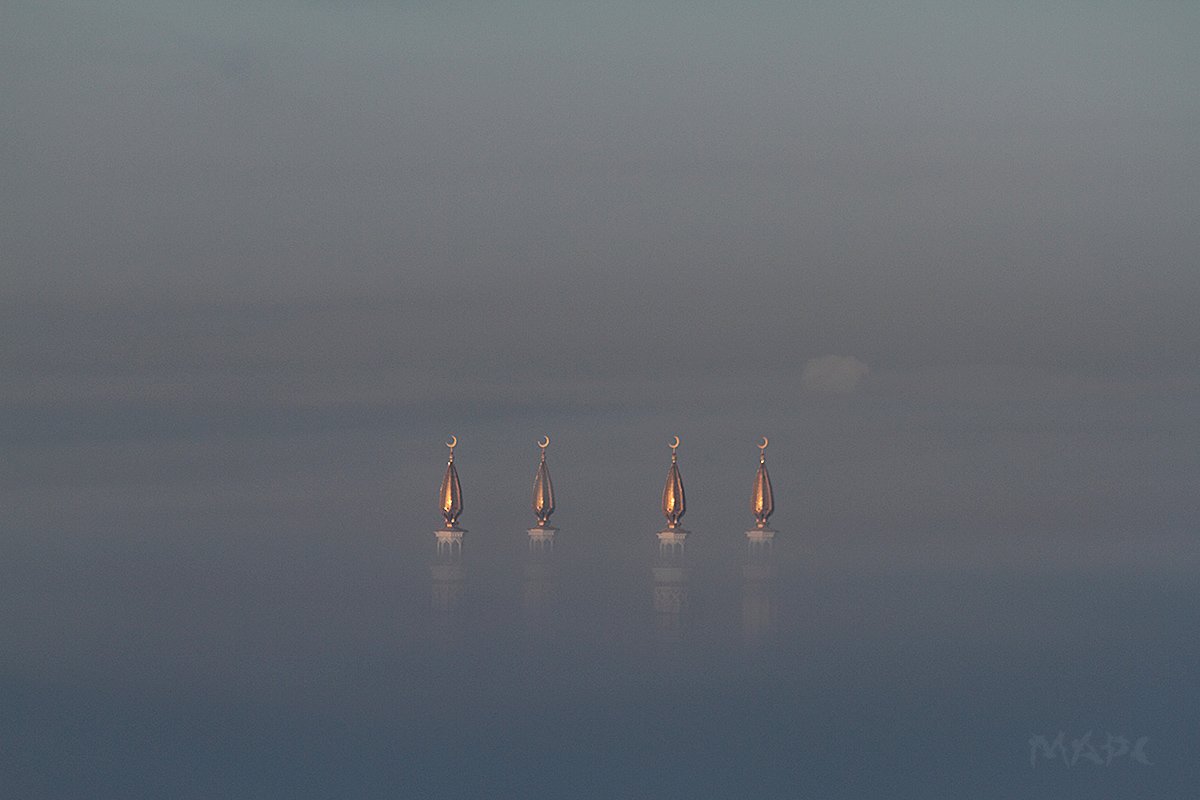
<point>670,573</point>
<point>758,587</point>
<point>539,587</point>
<point>446,573</point>
<point>758,573</point>
<point>670,590</point>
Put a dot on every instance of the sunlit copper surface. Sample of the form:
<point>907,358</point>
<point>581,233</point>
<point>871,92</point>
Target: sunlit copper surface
<point>543,489</point>
<point>451,493</point>
<point>673,503</point>
<point>762,501</point>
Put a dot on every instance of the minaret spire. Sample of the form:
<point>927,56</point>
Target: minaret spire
<point>673,504</point>
<point>762,500</point>
<point>451,493</point>
<point>543,488</point>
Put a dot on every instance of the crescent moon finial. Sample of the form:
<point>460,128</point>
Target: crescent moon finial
<point>453,443</point>
<point>765,442</point>
<point>544,444</point>
<point>675,443</point>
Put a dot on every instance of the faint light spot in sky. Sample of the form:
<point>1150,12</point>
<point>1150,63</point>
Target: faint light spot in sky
<point>833,373</point>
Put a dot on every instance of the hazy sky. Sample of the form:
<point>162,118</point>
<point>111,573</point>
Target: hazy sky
<point>435,211</point>
<point>908,160</point>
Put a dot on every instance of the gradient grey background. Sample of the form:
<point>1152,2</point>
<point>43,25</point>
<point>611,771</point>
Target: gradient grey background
<point>258,259</point>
